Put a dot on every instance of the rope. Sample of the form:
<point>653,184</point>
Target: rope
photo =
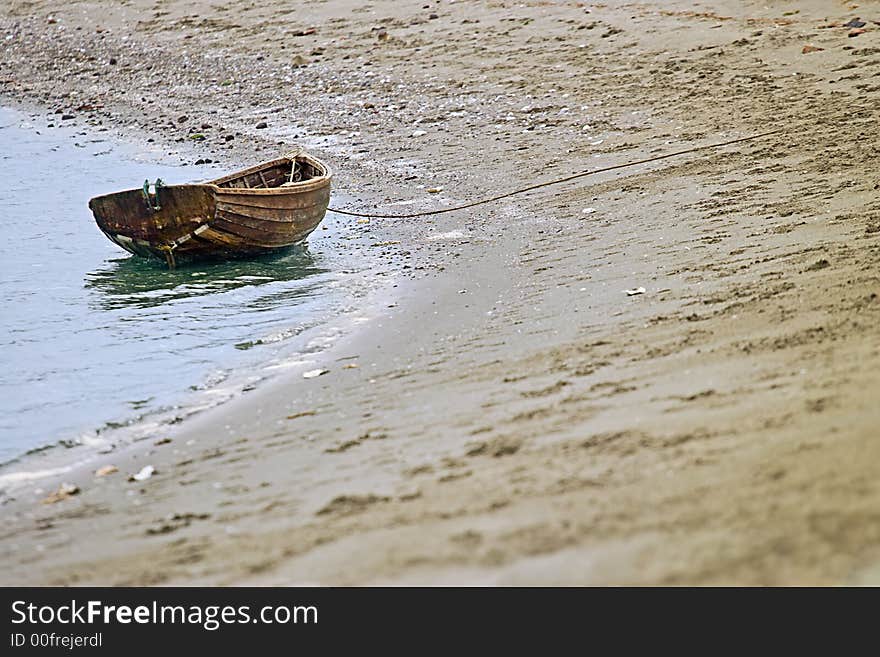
<point>554,182</point>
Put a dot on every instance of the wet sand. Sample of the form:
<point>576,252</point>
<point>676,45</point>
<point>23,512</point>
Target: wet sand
<point>514,417</point>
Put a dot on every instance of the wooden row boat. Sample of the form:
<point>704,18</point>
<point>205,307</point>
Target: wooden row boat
<point>265,208</point>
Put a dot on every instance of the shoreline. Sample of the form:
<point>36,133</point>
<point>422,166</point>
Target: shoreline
<point>517,417</point>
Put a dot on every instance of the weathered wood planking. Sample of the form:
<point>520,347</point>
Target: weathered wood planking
<point>249,212</point>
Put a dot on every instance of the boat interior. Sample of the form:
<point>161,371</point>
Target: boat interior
<point>279,174</point>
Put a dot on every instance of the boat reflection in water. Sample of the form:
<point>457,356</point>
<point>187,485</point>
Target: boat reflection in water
<point>137,283</point>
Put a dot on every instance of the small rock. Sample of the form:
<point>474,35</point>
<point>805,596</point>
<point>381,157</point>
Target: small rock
<point>261,125</point>
<point>855,33</point>
<point>299,60</point>
<point>635,291</point>
<point>419,133</point>
<point>808,49</point>
<point>67,117</point>
<point>112,61</point>
<point>434,190</point>
<point>105,470</point>
<point>182,119</point>
<point>229,137</point>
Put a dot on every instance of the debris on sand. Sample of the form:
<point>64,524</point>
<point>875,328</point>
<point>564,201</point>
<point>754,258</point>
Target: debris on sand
<point>145,473</point>
<point>64,491</point>
<point>819,264</point>
<point>855,22</point>
<point>311,374</point>
<point>349,504</point>
<point>175,521</point>
<point>497,447</point>
<point>301,414</point>
<point>637,290</point>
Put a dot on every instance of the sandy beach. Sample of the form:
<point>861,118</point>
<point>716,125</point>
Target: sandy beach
<point>511,414</point>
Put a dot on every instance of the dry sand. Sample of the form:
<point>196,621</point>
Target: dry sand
<point>515,417</point>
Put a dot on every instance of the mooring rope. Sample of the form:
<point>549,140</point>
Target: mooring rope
<point>553,182</point>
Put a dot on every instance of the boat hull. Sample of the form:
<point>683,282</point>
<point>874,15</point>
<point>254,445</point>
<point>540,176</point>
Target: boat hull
<point>226,218</point>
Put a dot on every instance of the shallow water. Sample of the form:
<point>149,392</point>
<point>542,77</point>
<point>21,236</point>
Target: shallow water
<point>93,339</point>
